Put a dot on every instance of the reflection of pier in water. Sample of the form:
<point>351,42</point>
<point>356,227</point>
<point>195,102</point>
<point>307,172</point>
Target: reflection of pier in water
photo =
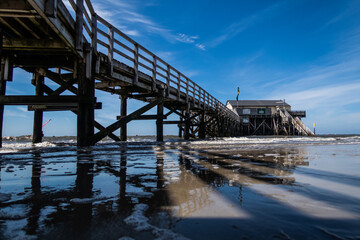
<point>166,177</point>
<point>203,170</point>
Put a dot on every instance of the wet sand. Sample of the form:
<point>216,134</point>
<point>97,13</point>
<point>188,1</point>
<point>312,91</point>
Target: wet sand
<point>231,188</point>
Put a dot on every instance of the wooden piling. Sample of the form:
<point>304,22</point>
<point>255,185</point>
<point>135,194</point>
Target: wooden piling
<point>2,88</point>
<point>2,85</point>
<point>160,117</point>
<point>202,126</point>
<point>123,113</point>
<point>159,122</point>
<point>187,122</point>
<point>38,115</point>
<point>79,25</point>
<point>180,128</point>
<point>86,83</point>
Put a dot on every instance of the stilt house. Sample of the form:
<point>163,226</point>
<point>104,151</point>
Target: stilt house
<point>269,117</point>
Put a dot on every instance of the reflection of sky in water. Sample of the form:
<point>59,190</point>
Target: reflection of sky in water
<point>226,189</point>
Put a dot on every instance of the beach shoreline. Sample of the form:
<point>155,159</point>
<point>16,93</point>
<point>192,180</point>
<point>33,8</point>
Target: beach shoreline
<point>224,188</point>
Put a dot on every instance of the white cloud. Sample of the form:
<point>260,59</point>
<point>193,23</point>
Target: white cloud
<point>201,46</point>
<point>184,38</point>
<point>22,109</point>
<point>15,113</point>
<point>127,18</point>
<point>335,96</point>
<point>181,37</point>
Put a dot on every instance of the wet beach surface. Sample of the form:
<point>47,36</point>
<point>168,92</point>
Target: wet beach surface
<point>231,188</point>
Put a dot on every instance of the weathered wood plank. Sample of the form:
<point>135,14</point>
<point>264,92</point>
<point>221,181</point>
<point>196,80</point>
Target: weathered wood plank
<point>173,122</point>
<point>55,23</point>
<point>34,100</point>
<point>79,25</point>
<point>34,44</point>
<point>136,64</point>
<point>51,8</point>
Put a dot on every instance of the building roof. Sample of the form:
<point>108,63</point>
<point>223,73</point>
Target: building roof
<point>257,103</point>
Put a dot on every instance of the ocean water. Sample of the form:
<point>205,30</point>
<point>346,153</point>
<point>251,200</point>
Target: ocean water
<point>225,188</point>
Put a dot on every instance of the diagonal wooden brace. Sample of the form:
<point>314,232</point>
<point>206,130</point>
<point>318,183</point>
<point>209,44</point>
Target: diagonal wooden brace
<point>56,78</point>
<point>49,92</point>
<point>113,127</point>
<point>64,87</point>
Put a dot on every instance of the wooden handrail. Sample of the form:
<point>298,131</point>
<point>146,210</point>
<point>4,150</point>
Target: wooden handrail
<point>91,21</point>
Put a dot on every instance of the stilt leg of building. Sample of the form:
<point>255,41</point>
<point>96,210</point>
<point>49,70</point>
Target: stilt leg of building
<point>38,115</point>
<point>86,89</point>
<point>187,122</point>
<point>123,113</point>
<point>263,128</point>
<point>228,122</point>
<point>159,121</point>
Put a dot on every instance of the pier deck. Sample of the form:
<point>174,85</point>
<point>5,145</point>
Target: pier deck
<point>79,50</point>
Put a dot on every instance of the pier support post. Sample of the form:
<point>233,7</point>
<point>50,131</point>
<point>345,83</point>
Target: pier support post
<point>202,126</point>
<point>160,120</point>
<point>187,122</point>
<point>38,115</point>
<point>86,89</point>
<point>123,113</point>
<point>159,123</point>
<point>2,93</point>
<point>2,85</point>
<point>180,128</point>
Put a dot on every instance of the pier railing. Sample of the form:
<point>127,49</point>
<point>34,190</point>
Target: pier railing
<point>109,40</point>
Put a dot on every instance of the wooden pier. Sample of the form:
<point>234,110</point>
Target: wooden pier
<point>79,50</point>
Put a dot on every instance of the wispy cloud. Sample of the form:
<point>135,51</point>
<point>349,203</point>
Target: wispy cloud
<point>334,96</point>
<point>182,37</point>
<point>239,26</point>
<point>127,17</point>
<point>328,88</point>
<point>16,113</point>
<point>352,8</point>
<point>200,46</point>
<point>13,91</point>
<point>254,57</point>
<point>119,13</point>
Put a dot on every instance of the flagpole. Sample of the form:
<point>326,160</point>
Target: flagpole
<point>237,98</point>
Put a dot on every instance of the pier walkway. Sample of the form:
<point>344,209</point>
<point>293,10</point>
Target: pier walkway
<point>69,44</point>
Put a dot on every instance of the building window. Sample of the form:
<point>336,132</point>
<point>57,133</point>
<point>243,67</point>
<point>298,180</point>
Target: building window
<point>261,111</point>
<point>245,120</point>
<point>246,111</point>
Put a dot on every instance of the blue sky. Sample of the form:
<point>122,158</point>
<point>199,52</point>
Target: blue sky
<point>306,52</point>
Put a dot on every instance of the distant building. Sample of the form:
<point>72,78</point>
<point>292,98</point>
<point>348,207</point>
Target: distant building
<point>269,117</point>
